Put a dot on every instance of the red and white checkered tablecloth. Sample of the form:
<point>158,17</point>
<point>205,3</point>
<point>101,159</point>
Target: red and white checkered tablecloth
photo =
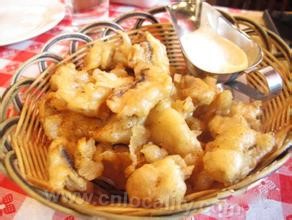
<point>271,199</point>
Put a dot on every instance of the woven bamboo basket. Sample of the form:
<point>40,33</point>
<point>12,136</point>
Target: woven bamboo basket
<point>24,146</point>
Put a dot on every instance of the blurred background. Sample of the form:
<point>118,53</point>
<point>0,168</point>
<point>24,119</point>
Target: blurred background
<point>240,4</point>
<point>282,5</point>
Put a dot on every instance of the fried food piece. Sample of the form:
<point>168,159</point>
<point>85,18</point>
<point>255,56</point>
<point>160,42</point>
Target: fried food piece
<point>169,130</point>
<point>162,181</point>
<point>137,100</point>
<point>236,150</point>
<point>67,124</point>
<point>75,126</point>
<point>225,165</point>
<point>152,81</point>
<point>83,158</point>
<point>185,107</point>
<point>81,92</point>
<point>250,111</point>
<point>221,104</point>
<point>140,57</point>
<point>99,55</point>
<point>117,130</point>
<point>264,145</point>
<point>61,172</point>
<point>160,77</point>
<point>220,124</point>
<point>159,56</point>
<point>149,53</point>
<point>153,152</point>
<point>140,136</point>
<point>120,71</point>
<point>211,82</point>
<point>51,125</point>
<point>105,54</point>
<point>225,159</point>
<point>201,91</point>
<point>193,158</point>
<point>234,133</point>
<point>123,50</point>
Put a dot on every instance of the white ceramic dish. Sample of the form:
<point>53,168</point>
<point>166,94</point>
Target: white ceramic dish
<point>22,20</point>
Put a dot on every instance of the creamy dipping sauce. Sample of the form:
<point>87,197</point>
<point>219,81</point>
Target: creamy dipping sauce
<point>213,53</point>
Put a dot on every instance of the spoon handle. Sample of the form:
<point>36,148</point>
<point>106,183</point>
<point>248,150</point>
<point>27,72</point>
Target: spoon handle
<point>273,80</point>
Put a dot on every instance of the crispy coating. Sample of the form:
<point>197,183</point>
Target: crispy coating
<point>117,130</point>
<point>159,56</point>
<point>162,181</point>
<point>123,50</point>
<point>152,80</point>
<point>66,124</point>
<point>153,152</point>
<point>152,84</point>
<point>137,99</point>
<point>185,107</point>
<point>236,149</point>
<point>140,136</point>
<point>225,165</point>
<point>140,57</point>
<point>84,161</point>
<point>51,125</point>
<point>149,53</point>
<point>120,71</point>
<point>250,111</point>
<point>99,55</point>
<point>264,145</point>
<point>105,55</point>
<point>169,130</point>
<point>81,92</point>
<point>221,105</point>
<point>231,133</point>
<point>61,172</point>
<point>220,124</point>
<point>202,92</point>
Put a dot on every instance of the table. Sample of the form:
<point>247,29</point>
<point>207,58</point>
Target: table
<point>271,199</point>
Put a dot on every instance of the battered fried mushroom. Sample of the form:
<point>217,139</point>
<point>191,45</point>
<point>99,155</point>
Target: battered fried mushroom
<point>162,181</point>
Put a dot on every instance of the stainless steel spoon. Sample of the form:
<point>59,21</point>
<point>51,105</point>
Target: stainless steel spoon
<point>189,16</point>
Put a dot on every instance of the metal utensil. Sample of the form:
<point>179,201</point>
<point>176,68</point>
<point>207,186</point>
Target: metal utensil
<point>189,16</point>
